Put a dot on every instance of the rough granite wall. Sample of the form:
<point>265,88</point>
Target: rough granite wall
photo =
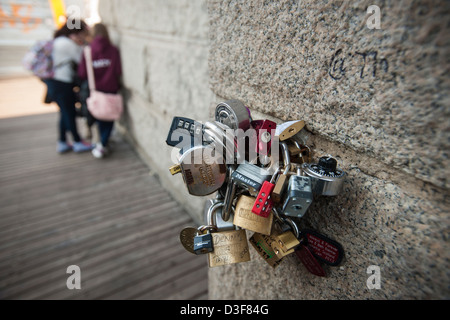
<point>377,100</point>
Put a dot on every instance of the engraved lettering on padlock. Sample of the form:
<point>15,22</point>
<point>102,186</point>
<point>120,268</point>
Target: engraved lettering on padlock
<point>245,218</point>
<point>327,179</point>
<point>229,247</point>
<point>200,175</point>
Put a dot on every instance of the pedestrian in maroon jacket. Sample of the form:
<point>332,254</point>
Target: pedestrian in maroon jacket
<point>107,71</point>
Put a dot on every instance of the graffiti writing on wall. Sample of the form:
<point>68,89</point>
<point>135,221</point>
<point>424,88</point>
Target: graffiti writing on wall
<point>367,63</point>
<point>19,16</point>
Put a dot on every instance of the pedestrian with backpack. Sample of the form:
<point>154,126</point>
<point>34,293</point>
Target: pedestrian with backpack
<point>67,51</point>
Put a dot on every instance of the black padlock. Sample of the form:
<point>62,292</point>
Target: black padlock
<point>203,242</point>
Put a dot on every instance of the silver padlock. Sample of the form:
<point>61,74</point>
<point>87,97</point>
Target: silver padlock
<point>222,138</point>
<point>202,173</point>
<point>216,207</point>
<point>250,177</point>
<point>234,114</point>
<point>327,179</point>
<point>298,196</point>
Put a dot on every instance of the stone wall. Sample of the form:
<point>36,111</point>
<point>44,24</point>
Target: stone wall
<point>164,48</point>
<point>376,99</point>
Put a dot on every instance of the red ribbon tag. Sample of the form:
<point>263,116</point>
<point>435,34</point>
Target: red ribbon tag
<point>309,261</point>
<point>323,248</point>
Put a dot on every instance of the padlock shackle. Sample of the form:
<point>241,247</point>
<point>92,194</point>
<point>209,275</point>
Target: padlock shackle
<point>287,221</point>
<point>229,196</point>
<point>277,215</point>
<point>286,155</point>
<point>297,169</point>
<point>211,216</point>
<point>275,175</point>
<point>294,227</point>
<point>202,229</point>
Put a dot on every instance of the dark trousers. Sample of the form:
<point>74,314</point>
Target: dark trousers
<point>105,128</point>
<point>62,93</point>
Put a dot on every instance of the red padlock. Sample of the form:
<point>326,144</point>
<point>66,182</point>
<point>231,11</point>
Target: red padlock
<point>265,130</point>
<point>263,204</point>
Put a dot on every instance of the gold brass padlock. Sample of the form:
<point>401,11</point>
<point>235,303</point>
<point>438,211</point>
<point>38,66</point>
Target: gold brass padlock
<point>229,246</point>
<point>280,186</point>
<point>263,245</point>
<point>288,129</point>
<point>246,219</point>
<point>285,242</point>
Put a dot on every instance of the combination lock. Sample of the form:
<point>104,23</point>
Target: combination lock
<point>185,133</point>
<point>327,179</point>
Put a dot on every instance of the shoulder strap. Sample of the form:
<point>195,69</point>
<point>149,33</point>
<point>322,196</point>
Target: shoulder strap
<point>89,67</point>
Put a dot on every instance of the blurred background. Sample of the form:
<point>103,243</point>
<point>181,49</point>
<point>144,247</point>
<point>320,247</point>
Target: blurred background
<point>23,23</point>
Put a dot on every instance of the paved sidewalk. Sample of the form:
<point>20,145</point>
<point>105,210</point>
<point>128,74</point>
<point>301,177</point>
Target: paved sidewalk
<point>109,217</point>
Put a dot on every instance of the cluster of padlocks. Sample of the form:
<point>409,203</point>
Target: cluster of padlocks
<point>265,181</point>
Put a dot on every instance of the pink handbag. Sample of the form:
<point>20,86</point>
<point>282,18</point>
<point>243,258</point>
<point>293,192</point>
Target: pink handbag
<point>102,106</point>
